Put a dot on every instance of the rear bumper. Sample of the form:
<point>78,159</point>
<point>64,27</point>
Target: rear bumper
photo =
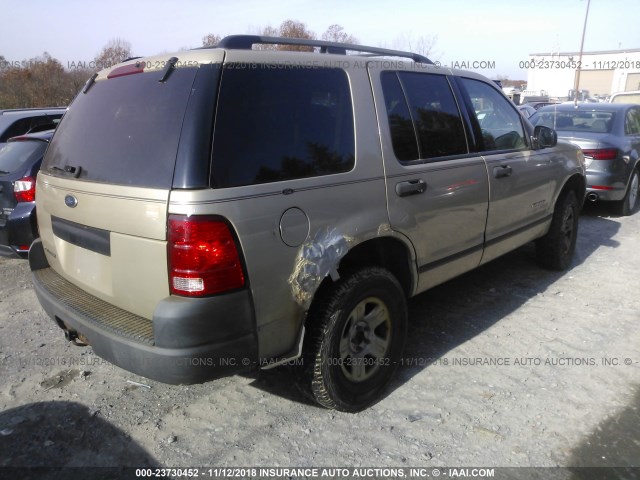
<point>609,186</point>
<point>188,341</point>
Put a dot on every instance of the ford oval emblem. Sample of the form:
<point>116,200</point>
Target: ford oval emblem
<point>70,201</point>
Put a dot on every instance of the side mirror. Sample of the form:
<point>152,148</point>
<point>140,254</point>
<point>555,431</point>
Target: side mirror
<point>544,137</point>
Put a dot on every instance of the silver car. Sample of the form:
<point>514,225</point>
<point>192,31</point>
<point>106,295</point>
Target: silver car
<point>609,135</point>
<point>226,209</point>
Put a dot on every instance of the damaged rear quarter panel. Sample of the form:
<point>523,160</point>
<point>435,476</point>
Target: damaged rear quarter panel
<point>316,259</point>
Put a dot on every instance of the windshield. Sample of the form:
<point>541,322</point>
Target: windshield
<point>15,156</point>
<point>124,130</point>
<point>594,122</point>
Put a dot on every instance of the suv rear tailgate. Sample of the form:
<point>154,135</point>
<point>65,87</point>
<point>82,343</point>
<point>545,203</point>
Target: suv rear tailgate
<point>102,192</point>
<point>93,245</point>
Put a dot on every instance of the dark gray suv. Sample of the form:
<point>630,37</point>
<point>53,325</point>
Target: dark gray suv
<point>18,121</point>
<point>228,208</point>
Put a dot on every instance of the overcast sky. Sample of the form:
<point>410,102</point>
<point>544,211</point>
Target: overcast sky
<point>504,32</point>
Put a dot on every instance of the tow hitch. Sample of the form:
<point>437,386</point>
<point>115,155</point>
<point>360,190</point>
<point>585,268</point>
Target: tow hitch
<point>74,337</point>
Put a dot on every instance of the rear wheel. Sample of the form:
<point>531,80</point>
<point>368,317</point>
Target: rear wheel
<point>357,334</point>
<point>555,250</point>
<point>628,205</point>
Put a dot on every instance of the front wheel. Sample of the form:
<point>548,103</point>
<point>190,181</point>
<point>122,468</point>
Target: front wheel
<point>357,331</point>
<point>628,205</point>
<point>555,250</point>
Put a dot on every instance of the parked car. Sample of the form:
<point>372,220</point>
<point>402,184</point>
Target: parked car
<point>20,160</point>
<point>539,105</point>
<point>609,135</point>
<point>228,208</point>
<point>526,110</point>
<point>18,121</point>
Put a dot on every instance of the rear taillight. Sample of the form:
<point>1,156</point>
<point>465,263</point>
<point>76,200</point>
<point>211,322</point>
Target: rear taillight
<point>602,153</point>
<point>203,256</point>
<point>25,189</point>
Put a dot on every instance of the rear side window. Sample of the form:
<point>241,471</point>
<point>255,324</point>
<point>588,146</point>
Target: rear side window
<point>423,116</point>
<point>15,156</point>
<point>274,124</point>
<point>124,130</point>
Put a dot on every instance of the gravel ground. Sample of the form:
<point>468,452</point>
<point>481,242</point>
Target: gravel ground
<point>509,365</point>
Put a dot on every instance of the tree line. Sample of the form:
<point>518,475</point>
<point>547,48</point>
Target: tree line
<point>44,81</point>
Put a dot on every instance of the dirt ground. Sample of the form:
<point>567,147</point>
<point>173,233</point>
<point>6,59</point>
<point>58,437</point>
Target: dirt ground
<point>509,365</point>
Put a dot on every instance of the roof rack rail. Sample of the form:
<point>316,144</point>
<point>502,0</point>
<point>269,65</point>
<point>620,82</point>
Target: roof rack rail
<point>246,42</point>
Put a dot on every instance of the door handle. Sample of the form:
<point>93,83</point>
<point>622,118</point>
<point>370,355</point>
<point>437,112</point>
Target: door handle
<point>411,187</point>
<point>502,171</point>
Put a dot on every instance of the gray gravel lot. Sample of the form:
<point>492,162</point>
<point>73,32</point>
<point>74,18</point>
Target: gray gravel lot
<point>509,365</point>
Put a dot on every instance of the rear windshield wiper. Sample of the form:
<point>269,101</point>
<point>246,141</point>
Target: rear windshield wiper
<point>74,171</point>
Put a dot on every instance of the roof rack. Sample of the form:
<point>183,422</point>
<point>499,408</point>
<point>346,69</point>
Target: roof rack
<point>246,42</point>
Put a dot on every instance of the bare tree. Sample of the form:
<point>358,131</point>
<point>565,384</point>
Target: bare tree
<point>115,51</point>
<point>336,33</point>
<point>211,40</point>
<point>295,29</point>
<point>38,82</point>
<point>288,29</point>
<point>424,44</point>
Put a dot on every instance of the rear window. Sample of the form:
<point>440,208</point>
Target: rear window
<point>30,125</point>
<point>274,124</point>
<point>594,122</point>
<point>124,130</point>
<point>15,156</point>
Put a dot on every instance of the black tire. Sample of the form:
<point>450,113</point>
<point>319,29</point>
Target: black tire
<point>357,330</point>
<point>629,203</point>
<point>555,250</point>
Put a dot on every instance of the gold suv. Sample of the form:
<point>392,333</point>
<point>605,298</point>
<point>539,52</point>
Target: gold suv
<point>229,208</point>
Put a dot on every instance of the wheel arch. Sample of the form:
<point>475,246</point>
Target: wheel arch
<point>577,183</point>
<point>389,253</point>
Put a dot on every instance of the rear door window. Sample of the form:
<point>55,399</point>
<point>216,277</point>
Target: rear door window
<point>124,130</point>
<point>423,116</point>
<point>275,123</point>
